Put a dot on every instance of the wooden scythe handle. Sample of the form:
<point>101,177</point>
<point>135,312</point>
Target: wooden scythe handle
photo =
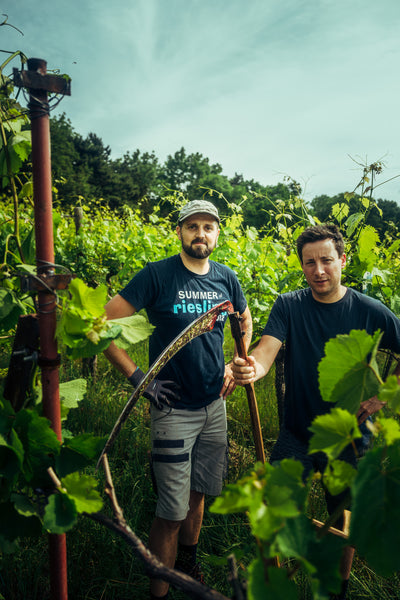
<point>251,395</point>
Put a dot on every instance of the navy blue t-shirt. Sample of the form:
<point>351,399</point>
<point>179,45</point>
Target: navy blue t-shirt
<point>173,297</point>
<point>306,325</point>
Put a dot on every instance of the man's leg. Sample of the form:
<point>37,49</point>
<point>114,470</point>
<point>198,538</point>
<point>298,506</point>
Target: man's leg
<point>174,433</point>
<point>189,536</point>
<point>163,543</point>
<point>190,528</point>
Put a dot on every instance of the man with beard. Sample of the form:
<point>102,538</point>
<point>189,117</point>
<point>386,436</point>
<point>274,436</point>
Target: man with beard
<point>188,415</point>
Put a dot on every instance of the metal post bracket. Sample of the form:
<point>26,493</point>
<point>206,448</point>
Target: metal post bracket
<point>58,84</point>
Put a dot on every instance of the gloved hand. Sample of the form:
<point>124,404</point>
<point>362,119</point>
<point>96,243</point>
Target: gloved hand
<point>159,392</point>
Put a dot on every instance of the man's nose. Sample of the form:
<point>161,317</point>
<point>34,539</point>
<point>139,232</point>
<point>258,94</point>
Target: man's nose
<point>319,268</point>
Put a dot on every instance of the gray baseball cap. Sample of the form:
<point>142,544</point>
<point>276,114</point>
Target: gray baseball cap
<point>198,206</point>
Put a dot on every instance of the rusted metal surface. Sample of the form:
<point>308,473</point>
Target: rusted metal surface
<point>35,80</point>
<point>48,356</point>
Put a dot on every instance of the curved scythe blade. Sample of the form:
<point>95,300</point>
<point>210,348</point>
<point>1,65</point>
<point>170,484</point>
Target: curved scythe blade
<point>201,325</point>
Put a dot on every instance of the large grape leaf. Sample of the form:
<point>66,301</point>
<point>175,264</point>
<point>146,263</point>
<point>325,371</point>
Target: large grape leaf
<point>346,376</point>
<point>78,452</point>
<point>60,514</point>
<point>10,309</point>
<point>134,329</point>
<point>333,432</point>
<point>82,490</point>
<point>238,497</point>
<point>367,243</point>
<point>374,526</point>
<point>88,299</point>
<point>24,505</point>
<point>389,429</point>
<point>320,557</point>
<point>338,476</point>
<point>11,455</point>
<point>39,441</point>
<point>278,587</point>
<point>390,392</point>
<point>72,392</point>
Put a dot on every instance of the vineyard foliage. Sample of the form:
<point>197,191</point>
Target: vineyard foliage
<point>42,487</point>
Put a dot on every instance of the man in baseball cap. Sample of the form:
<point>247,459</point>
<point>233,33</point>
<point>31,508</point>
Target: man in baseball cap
<point>198,207</point>
<point>188,414</point>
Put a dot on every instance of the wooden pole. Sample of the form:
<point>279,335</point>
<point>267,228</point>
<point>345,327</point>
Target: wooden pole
<point>251,395</point>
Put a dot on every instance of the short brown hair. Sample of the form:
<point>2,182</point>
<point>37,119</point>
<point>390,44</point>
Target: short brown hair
<point>318,233</point>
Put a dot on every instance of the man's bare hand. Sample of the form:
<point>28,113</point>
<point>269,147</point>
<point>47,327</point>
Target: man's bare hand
<point>244,371</point>
<point>368,408</point>
<point>229,383</point>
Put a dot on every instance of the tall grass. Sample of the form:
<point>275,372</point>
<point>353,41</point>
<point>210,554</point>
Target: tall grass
<point>100,566</point>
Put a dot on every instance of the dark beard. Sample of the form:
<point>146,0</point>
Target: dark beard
<point>202,252</point>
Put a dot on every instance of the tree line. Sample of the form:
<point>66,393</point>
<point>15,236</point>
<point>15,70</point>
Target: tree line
<point>83,167</point>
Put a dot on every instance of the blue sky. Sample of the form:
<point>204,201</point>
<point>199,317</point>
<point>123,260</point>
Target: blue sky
<point>266,88</point>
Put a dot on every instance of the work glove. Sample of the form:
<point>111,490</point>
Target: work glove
<point>159,392</point>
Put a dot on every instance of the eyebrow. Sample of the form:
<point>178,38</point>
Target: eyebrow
<point>329,256</point>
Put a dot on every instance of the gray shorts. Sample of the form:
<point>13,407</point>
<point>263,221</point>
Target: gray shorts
<point>189,452</point>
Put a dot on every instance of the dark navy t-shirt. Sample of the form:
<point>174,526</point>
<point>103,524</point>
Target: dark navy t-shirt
<point>306,325</point>
<point>173,297</point>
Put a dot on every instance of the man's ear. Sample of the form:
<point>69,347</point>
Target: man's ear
<point>343,260</point>
<point>178,232</point>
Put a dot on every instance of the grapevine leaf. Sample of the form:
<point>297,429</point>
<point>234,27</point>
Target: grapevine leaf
<point>352,222</point>
<point>390,392</point>
<point>21,145</point>
<point>7,415</point>
<point>293,540</point>
<point>345,375</point>
<point>78,452</point>
<point>375,507</point>
<point>134,329</point>
<point>238,498</point>
<point>87,298</point>
<point>324,555</point>
<point>321,558</point>
<point>87,444</point>
<point>10,309</point>
<point>278,587</point>
<point>28,246</point>
<point>388,428</point>
<point>11,455</point>
<point>24,506</point>
<point>285,495</point>
<point>72,392</point>
<point>286,476</point>
<point>81,489</point>
<point>333,432</point>
<point>367,242</point>
<point>60,514</point>
<point>338,476</point>
<point>39,441</point>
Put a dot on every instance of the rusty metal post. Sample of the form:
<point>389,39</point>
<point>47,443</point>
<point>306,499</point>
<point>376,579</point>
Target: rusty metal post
<point>49,358</point>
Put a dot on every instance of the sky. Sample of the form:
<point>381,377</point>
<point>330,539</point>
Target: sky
<point>267,88</point>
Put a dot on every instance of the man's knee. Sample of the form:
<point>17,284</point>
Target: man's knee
<point>167,526</point>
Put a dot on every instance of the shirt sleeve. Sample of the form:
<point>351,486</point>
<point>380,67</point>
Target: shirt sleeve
<point>238,298</point>
<point>141,289</point>
<point>277,324</point>
<point>391,328</point>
